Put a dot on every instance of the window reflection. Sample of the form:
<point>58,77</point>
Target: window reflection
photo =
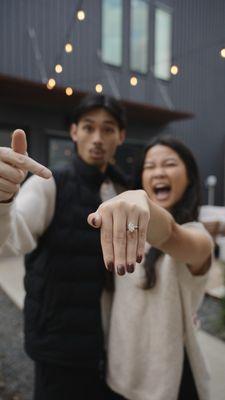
<point>163,43</point>
<point>112,12</point>
<point>5,137</point>
<point>60,151</point>
<point>128,156</point>
<point>139,36</point>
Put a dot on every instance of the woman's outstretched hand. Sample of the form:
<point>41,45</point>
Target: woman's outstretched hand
<point>123,221</point>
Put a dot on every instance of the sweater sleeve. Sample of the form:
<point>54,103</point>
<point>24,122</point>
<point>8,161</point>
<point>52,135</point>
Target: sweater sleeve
<point>194,285</point>
<point>27,217</point>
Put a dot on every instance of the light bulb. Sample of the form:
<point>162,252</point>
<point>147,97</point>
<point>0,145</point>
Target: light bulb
<point>81,15</point>
<point>58,68</point>
<point>99,88</point>
<point>68,48</point>
<point>222,53</point>
<point>51,83</point>
<point>133,81</point>
<point>174,69</point>
<point>69,91</point>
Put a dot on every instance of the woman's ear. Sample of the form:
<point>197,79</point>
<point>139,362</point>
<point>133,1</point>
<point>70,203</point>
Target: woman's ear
<point>73,132</point>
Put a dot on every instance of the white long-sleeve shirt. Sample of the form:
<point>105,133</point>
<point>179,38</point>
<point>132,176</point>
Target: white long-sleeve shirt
<point>27,217</point>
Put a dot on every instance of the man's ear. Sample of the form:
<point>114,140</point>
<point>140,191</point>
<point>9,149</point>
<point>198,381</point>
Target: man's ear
<point>73,132</point>
<point>122,136</point>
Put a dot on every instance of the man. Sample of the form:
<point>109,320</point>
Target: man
<point>65,274</point>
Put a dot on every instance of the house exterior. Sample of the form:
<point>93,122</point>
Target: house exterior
<point>126,49</point>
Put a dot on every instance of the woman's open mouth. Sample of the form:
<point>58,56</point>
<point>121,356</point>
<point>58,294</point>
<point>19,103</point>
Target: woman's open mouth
<point>162,191</point>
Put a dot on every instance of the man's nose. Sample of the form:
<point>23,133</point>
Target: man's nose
<point>97,137</point>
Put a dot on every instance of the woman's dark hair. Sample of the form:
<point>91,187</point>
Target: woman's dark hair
<point>95,101</point>
<point>186,210</point>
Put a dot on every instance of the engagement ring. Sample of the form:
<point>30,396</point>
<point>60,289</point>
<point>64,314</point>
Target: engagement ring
<point>131,227</point>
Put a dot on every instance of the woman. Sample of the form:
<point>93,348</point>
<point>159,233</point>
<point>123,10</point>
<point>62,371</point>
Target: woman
<point>152,349</point>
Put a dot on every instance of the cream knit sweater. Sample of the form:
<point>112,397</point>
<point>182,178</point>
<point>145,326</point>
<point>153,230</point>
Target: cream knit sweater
<point>149,329</point>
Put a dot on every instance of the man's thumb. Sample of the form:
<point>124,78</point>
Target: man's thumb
<point>19,141</point>
<point>95,220</point>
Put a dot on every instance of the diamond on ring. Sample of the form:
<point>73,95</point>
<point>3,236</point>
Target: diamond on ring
<point>131,227</point>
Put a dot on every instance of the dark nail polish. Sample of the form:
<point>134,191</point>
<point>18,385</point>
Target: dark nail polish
<point>93,221</point>
<point>110,266</point>
<point>139,259</point>
<point>130,268</point>
<point>121,270</point>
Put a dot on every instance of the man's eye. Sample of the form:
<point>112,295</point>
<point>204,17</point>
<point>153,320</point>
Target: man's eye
<point>109,130</point>
<point>87,128</point>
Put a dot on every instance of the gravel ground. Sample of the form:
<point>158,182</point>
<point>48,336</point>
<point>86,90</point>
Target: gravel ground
<point>16,370</point>
<point>211,315</point>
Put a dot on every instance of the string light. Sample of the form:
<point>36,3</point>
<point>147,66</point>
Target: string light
<point>222,53</point>
<point>68,48</point>
<point>99,88</point>
<point>69,91</point>
<point>133,81</point>
<point>58,68</point>
<point>51,83</point>
<point>174,69</point>
<point>81,15</point>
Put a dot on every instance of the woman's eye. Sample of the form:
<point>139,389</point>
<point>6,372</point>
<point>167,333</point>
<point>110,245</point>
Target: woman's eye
<point>148,166</point>
<point>170,165</point>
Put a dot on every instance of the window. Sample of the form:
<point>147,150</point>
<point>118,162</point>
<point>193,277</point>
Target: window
<point>139,36</point>
<point>163,43</point>
<point>112,14</point>
<point>128,156</point>
<point>60,151</point>
<point>5,137</point>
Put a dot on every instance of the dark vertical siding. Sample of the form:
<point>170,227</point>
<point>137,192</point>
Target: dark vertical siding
<point>198,35</point>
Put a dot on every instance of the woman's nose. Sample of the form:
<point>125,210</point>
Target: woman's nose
<point>159,171</point>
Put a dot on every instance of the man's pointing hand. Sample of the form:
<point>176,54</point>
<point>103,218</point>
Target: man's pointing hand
<point>14,165</point>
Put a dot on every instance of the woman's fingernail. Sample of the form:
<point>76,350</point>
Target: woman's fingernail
<point>139,259</point>
<point>93,221</point>
<point>110,266</point>
<point>121,270</point>
<point>130,268</point>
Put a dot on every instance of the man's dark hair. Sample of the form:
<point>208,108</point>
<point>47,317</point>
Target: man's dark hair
<point>186,210</point>
<point>95,101</point>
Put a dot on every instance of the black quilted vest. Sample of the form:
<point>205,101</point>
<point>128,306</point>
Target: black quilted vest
<point>65,275</point>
